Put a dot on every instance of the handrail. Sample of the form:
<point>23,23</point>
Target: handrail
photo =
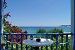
<point>40,34</point>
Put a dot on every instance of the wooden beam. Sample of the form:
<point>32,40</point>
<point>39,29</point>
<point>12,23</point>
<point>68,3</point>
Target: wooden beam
<point>73,24</point>
<point>0,21</point>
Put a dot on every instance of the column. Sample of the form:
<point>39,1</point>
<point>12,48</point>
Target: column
<point>72,24</point>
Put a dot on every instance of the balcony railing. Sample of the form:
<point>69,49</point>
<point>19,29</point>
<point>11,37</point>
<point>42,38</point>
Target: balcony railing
<point>60,41</point>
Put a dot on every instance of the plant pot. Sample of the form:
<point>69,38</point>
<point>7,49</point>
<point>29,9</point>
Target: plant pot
<point>38,40</point>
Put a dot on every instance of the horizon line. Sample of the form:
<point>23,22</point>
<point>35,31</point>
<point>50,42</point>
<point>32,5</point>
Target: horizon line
<point>41,26</point>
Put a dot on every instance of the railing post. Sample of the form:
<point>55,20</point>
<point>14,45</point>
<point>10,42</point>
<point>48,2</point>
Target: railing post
<point>6,42</point>
<point>11,41</point>
<point>0,21</point>
<point>21,41</point>
<point>61,42</point>
<point>66,42</point>
<point>52,44</point>
<point>31,37</point>
<point>16,42</point>
<point>26,45</point>
<point>46,38</point>
<point>56,42</point>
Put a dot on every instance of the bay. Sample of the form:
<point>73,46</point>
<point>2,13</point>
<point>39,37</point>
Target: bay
<point>33,29</point>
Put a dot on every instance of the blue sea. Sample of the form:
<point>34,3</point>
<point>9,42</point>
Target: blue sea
<point>33,29</point>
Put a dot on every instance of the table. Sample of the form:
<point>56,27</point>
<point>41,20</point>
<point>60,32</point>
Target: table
<point>34,43</point>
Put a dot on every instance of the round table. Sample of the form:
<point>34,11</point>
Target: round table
<point>34,43</point>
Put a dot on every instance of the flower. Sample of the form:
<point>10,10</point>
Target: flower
<point>8,28</point>
<point>26,31</point>
<point>5,4</point>
<point>7,14</point>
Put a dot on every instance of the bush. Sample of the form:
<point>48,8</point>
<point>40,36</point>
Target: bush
<point>55,30</point>
<point>41,31</point>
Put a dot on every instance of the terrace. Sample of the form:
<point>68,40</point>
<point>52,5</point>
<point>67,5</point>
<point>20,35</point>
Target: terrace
<point>60,41</point>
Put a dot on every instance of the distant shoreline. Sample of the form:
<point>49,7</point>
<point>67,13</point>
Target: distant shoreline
<point>46,26</point>
<point>66,25</point>
<point>38,26</point>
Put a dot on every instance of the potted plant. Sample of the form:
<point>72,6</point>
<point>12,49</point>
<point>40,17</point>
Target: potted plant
<point>38,39</point>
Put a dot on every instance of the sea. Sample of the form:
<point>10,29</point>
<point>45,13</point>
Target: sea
<point>34,29</point>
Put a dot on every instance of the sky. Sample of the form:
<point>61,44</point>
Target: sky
<point>39,12</point>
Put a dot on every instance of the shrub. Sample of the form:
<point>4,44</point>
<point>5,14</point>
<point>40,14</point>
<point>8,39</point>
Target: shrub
<point>55,30</point>
<point>41,31</point>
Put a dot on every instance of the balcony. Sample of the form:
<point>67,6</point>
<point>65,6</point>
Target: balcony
<point>60,41</point>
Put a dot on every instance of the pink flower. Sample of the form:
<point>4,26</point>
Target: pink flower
<point>26,31</point>
<point>6,15</point>
<point>5,4</point>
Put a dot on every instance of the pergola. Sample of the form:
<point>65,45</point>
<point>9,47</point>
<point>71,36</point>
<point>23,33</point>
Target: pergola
<point>72,23</point>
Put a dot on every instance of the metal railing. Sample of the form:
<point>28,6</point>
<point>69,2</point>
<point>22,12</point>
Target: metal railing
<point>60,41</point>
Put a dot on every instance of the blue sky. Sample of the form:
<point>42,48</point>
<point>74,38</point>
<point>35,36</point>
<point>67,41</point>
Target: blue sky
<point>39,12</point>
